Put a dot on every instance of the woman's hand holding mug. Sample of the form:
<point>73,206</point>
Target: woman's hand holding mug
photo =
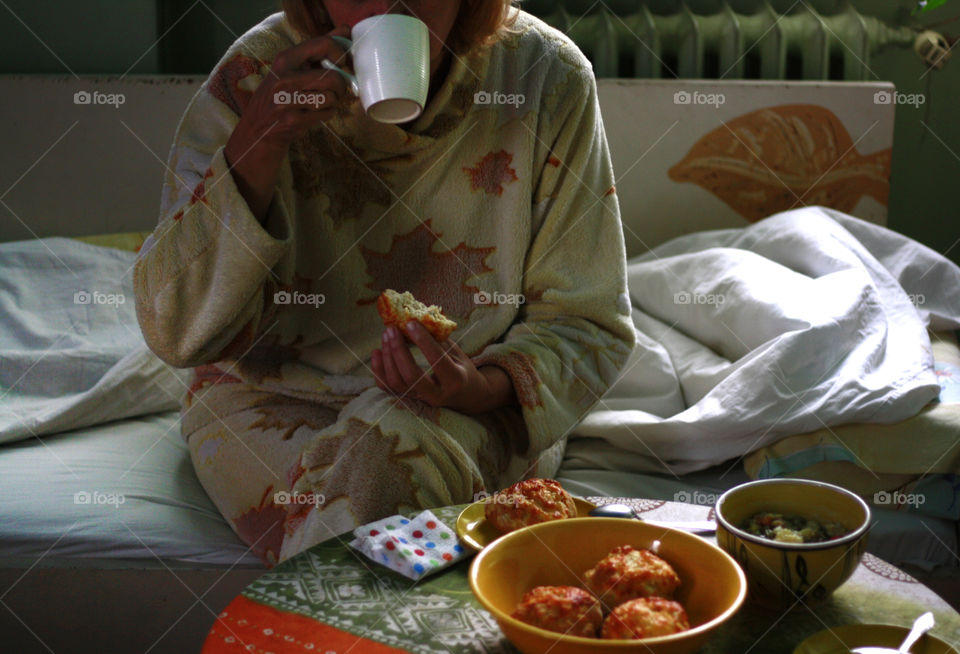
<point>296,95</point>
<point>391,54</point>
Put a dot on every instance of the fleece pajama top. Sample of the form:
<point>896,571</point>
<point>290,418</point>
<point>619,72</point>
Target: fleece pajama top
<point>497,203</point>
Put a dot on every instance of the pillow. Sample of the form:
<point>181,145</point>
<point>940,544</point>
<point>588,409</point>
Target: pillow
<point>71,347</point>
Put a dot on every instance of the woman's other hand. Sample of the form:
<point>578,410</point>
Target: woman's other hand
<point>452,382</point>
<point>294,97</point>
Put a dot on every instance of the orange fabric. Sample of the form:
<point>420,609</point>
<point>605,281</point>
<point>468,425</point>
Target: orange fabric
<point>245,622</point>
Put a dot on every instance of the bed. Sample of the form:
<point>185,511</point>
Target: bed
<point>118,517</point>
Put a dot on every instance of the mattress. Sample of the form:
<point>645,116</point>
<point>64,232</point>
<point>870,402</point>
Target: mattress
<point>124,494</point>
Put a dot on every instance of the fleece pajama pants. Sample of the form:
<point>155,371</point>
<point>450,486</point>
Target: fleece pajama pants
<point>288,472</point>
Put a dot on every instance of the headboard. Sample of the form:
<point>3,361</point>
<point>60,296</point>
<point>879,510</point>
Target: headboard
<point>86,155</point>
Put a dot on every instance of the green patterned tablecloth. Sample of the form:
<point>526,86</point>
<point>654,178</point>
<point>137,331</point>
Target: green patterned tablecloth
<point>350,599</point>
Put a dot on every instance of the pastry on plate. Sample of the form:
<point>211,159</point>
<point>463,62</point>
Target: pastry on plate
<point>627,573</point>
<point>645,617</point>
<point>397,309</point>
<point>564,609</point>
<point>528,502</point>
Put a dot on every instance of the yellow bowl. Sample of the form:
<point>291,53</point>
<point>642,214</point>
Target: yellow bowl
<point>787,572</point>
<point>557,553</point>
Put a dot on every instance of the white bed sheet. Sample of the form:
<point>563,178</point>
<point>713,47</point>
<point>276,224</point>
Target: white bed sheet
<point>165,517</point>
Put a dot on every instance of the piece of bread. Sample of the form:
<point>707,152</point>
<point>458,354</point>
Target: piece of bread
<point>397,309</point>
<point>645,617</point>
<point>627,573</point>
<point>529,502</point>
<point>563,609</point>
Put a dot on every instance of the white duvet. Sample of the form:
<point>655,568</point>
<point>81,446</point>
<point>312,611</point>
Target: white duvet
<point>807,319</point>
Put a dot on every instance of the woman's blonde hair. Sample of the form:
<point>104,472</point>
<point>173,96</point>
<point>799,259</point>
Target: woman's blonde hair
<point>477,23</point>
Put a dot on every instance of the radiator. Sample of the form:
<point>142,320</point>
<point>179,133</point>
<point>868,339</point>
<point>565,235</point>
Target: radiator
<point>637,38</point>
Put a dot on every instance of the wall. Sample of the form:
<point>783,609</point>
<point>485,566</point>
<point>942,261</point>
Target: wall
<point>925,193</point>
<point>93,36</point>
<point>200,33</point>
<point>104,36</point>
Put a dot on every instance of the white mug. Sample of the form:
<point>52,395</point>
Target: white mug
<point>391,55</point>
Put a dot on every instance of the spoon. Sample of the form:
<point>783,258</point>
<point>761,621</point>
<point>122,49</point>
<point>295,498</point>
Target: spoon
<point>624,511</point>
<point>921,625</point>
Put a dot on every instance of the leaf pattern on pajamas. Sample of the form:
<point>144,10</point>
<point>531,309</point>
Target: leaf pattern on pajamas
<point>386,486</point>
<point>208,375</point>
<point>225,85</point>
<point>262,527</point>
<point>290,418</point>
<point>492,173</point>
<point>326,167</point>
<point>434,277</point>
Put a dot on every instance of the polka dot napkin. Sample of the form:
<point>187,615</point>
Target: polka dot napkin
<point>415,547</point>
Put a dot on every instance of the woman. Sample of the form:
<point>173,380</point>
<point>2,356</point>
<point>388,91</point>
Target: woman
<point>281,224</point>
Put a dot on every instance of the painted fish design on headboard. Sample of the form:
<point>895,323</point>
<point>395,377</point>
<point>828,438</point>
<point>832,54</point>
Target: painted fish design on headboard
<point>784,157</point>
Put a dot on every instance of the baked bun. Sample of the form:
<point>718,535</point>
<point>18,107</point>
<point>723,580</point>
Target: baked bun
<point>397,309</point>
<point>527,503</point>
<point>564,609</point>
<point>645,617</point>
<point>627,573</point>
